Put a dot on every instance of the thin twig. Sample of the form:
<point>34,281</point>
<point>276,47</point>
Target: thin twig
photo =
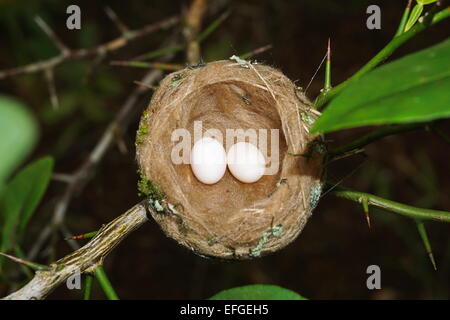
<point>52,35</point>
<point>176,48</point>
<point>87,259</point>
<point>84,171</point>
<point>193,23</point>
<point>107,47</point>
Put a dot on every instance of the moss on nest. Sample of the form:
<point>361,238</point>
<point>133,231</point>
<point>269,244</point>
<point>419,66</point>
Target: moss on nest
<point>143,128</point>
<point>147,188</point>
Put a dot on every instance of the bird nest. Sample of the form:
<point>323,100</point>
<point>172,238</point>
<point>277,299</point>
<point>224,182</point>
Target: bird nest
<point>230,219</point>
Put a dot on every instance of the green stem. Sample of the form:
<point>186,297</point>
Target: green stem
<point>405,16</point>
<point>87,288</point>
<point>400,208</point>
<point>376,134</point>
<point>105,284</point>
<point>396,42</point>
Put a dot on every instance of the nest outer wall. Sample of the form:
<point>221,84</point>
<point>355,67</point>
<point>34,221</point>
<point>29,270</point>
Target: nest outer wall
<point>230,219</point>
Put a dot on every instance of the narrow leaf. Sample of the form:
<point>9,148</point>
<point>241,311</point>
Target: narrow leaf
<point>411,89</point>
<point>21,197</point>
<point>415,15</point>
<point>257,292</point>
<point>424,2</point>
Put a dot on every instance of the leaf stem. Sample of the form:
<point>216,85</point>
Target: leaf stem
<point>105,284</point>
<point>420,214</point>
<point>396,42</point>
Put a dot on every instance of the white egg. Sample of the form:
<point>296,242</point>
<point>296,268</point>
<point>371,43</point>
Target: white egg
<point>208,160</point>
<point>246,162</point>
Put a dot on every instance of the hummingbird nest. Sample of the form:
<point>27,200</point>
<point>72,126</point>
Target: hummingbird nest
<point>230,219</point>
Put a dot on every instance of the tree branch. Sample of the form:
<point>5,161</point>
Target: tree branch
<point>193,23</point>
<point>87,259</point>
<point>100,50</point>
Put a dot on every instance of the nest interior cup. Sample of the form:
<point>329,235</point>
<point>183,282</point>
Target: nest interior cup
<point>230,219</point>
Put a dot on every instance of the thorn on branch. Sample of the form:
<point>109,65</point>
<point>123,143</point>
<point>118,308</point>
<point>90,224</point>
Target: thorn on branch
<point>115,19</point>
<point>327,86</point>
<point>145,85</point>
<point>82,236</point>
<point>426,242</point>
<point>256,51</point>
<point>365,203</point>
<point>32,265</point>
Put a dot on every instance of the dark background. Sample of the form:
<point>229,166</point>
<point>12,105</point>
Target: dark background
<point>330,257</point>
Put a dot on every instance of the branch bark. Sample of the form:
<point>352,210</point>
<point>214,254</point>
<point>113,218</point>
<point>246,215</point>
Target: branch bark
<point>84,260</point>
<point>193,23</point>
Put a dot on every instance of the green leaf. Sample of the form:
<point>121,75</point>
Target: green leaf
<point>414,16</point>
<point>21,197</point>
<point>411,89</point>
<point>18,132</point>
<point>424,2</point>
<point>257,292</point>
